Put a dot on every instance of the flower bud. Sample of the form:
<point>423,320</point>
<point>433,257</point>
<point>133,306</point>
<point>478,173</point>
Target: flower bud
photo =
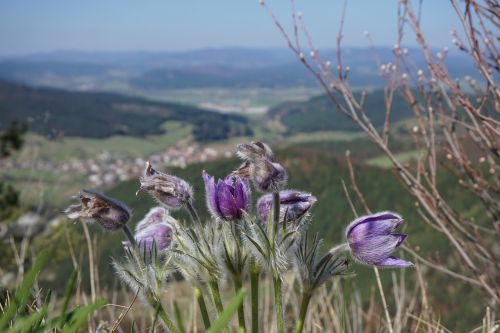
<point>259,166</point>
<point>294,204</point>
<point>228,198</point>
<point>97,207</point>
<point>372,239</point>
<point>168,190</point>
<point>155,229</point>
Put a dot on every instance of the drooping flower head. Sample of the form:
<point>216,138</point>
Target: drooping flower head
<point>293,204</point>
<point>96,207</point>
<point>156,228</point>
<point>228,198</point>
<point>260,167</point>
<point>168,190</point>
<point>372,239</point>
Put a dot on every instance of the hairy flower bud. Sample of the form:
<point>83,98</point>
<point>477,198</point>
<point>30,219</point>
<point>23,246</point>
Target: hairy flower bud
<point>156,228</point>
<point>168,190</point>
<point>294,204</point>
<point>372,239</point>
<point>228,198</point>
<point>259,166</point>
<point>97,207</point>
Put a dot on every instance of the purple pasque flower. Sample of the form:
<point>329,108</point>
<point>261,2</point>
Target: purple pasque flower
<point>155,228</point>
<point>294,204</point>
<point>93,206</point>
<point>168,190</point>
<point>372,239</point>
<point>228,198</point>
<point>259,166</point>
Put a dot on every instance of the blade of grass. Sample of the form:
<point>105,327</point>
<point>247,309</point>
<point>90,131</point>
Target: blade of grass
<point>228,313</point>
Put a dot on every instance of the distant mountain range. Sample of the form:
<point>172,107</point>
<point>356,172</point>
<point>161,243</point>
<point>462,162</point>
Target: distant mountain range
<point>54,112</point>
<point>226,68</point>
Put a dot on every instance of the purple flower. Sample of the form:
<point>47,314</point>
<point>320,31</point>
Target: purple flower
<point>372,239</point>
<point>154,228</point>
<point>168,190</point>
<point>259,166</point>
<point>228,198</point>
<point>294,204</point>
<point>97,207</point>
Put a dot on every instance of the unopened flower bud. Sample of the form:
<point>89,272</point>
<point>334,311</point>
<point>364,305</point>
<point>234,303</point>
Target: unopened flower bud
<point>168,190</point>
<point>372,239</point>
<point>259,166</point>
<point>93,206</point>
<point>293,204</point>
<point>156,228</point>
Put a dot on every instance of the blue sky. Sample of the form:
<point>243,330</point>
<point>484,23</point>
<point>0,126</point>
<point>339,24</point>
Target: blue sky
<point>28,26</point>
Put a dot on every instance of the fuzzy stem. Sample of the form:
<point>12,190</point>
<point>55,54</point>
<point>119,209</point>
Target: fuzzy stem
<point>278,304</point>
<point>203,307</point>
<point>241,312</point>
<point>214,288</point>
<point>276,206</point>
<point>306,297</point>
<point>384,302</point>
<point>166,319</point>
<point>254,285</point>
<point>192,212</point>
<point>129,235</point>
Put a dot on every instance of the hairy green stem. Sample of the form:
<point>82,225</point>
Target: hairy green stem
<point>306,297</point>
<point>278,304</point>
<point>276,206</point>
<point>165,318</point>
<point>241,311</point>
<point>214,289</point>
<point>203,307</point>
<point>192,212</point>
<point>254,285</point>
<point>129,235</point>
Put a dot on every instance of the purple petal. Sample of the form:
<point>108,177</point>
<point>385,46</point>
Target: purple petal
<point>226,201</point>
<point>211,194</point>
<point>373,225</point>
<point>154,216</point>
<point>242,195</point>
<point>160,233</point>
<point>263,207</point>
<point>394,263</point>
<point>375,249</point>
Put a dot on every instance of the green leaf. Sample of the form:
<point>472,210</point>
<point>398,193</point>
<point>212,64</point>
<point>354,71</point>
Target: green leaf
<point>67,296</point>
<point>178,317</point>
<point>80,316</point>
<point>18,303</point>
<point>228,313</point>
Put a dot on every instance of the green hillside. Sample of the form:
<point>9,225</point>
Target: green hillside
<point>53,112</point>
<point>319,114</point>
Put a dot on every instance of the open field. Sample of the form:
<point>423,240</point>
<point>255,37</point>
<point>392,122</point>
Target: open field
<point>83,148</point>
<point>238,97</point>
